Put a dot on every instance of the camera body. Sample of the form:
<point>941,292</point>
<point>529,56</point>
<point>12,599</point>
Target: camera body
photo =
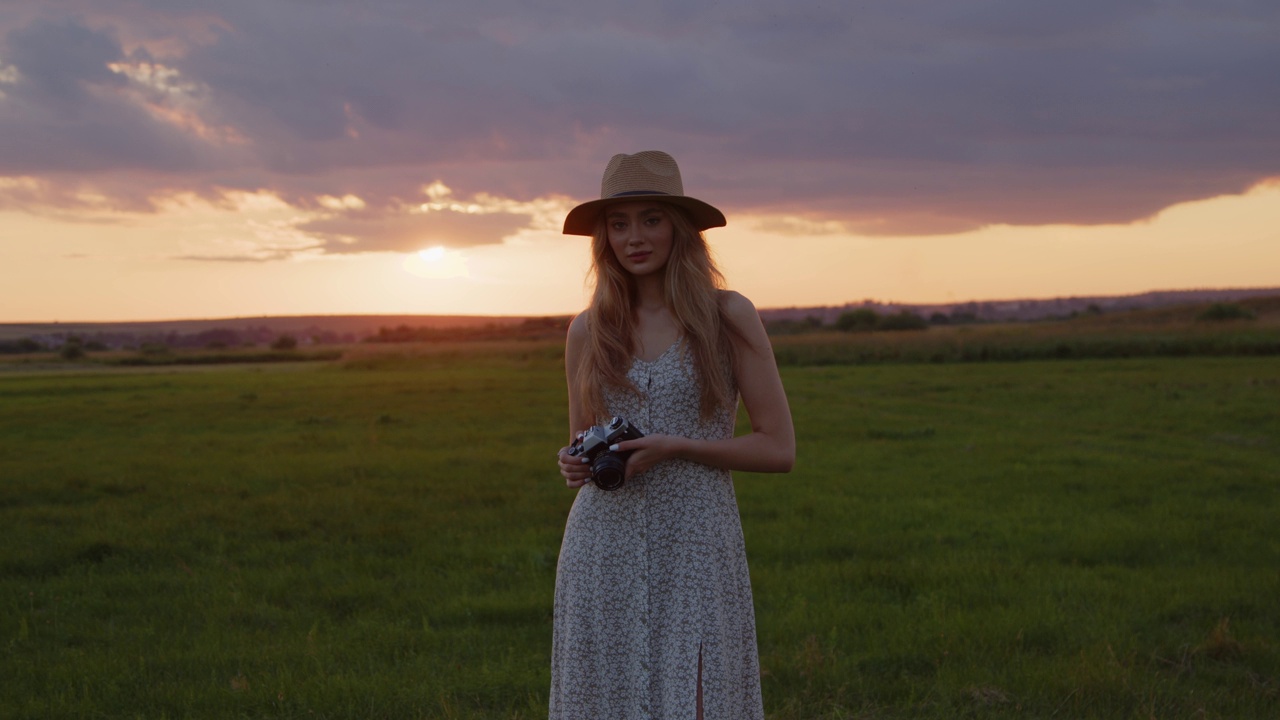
<point>608,469</point>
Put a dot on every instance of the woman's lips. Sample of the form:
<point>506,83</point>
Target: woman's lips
<point>638,256</point>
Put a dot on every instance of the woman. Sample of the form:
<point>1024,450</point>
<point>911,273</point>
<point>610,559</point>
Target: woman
<point>653,612</point>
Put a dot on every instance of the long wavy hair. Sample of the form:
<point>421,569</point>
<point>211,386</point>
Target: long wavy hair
<point>691,285</point>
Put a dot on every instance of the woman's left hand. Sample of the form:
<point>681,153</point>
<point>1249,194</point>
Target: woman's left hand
<point>574,469</point>
<point>648,451</point>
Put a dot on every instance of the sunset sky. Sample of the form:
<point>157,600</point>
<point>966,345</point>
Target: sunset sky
<point>169,159</point>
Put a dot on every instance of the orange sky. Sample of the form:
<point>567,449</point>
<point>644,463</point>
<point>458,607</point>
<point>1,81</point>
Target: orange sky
<point>116,265</point>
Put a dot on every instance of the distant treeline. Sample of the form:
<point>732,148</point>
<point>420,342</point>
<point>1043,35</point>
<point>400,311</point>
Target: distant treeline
<point>276,355</point>
<point>19,347</point>
<point>867,319</point>
<point>212,339</point>
<point>531,329</point>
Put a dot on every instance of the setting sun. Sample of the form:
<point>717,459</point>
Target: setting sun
<point>437,263</point>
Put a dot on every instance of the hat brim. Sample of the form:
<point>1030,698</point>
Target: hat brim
<point>582,219</point>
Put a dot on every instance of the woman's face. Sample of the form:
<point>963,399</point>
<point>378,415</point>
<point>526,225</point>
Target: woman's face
<point>641,235</point>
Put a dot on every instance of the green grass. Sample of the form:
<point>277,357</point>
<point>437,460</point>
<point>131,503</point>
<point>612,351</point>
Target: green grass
<point>377,538</point>
<point>1095,539</point>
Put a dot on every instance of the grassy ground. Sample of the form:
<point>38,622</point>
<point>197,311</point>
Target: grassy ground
<point>1083,539</point>
<point>377,538</point>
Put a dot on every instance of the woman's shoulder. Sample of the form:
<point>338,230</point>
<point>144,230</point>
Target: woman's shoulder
<point>737,307</point>
<point>578,328</point>
<point>745,326</point>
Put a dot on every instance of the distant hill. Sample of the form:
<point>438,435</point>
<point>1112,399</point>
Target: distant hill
<point>334,329</point>
<point>327,329</point>
<point>1025,309</point>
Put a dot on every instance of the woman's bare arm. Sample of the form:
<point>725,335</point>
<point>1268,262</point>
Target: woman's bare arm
<point>574,470</point>
<point>771,444</point>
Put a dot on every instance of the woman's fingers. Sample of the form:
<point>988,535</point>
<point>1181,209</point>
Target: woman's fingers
<point>573,468</point>
<point>646,452</point>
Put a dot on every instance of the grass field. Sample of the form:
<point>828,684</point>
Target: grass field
<point>376,538</point>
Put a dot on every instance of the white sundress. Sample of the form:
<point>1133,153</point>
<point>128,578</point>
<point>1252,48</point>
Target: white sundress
<point>654,573</point>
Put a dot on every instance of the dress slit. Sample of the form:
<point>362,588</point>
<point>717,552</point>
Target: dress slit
<point>699,681</point>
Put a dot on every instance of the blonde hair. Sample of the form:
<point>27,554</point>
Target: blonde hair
<point>691,285</point>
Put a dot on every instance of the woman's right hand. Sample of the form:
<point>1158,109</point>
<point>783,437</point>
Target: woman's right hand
<point>576,470</point>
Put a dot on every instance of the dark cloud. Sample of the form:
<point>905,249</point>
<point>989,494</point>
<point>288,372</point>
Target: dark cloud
<point>65,111</point>
<point>61,60</point>
<point>887,116</point>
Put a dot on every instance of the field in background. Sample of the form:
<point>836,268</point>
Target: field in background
<point>377,537</point>
<point>1177,331</point>
<point>1250,327</point>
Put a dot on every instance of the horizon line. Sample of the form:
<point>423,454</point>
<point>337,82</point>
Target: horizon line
<point>851,303</point>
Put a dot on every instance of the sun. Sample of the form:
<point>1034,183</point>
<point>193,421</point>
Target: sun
<point>437,263</point>
<point>432,254</point>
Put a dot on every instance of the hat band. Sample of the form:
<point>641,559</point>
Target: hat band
<point>638,192</point>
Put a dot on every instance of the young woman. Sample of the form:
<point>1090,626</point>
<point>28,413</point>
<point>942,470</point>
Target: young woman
<point>653,610</point>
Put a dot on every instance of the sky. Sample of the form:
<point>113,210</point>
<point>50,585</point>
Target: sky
<point>172,159</point>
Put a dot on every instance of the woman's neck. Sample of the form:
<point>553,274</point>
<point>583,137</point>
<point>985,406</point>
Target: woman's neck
<point>655,329</point>
<point>650,293</point>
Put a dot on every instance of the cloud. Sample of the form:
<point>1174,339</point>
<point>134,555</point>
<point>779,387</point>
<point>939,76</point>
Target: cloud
<point>441,219</point>
<point>65,109</point>
<point>926,116</point>
<point>410,232</point>
<point>60,61</point>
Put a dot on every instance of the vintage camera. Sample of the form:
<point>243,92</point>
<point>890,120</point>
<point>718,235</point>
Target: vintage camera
<point>608,469</point>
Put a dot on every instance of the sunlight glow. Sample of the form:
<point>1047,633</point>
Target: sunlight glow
<point>178,259</point>
<point>244,226</point>
<point>1224,242</point>
<point>346,202</point>
<point>437,191</point>
<point>437,263</point>
<point>154,76</point>
<point>20,182</point>
<point>545,213</point>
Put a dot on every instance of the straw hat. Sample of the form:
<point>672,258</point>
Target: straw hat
<point>647,174</point>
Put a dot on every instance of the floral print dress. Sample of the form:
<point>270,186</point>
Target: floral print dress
<point>652,577</point>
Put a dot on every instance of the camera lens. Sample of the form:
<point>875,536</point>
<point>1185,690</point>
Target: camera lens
<point>608,471</point>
